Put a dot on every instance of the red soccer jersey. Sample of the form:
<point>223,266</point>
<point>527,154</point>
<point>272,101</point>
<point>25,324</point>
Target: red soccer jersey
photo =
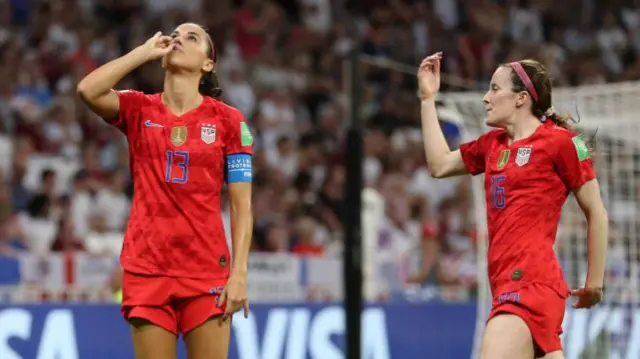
<point>526,185</point>
<point>178,167</point>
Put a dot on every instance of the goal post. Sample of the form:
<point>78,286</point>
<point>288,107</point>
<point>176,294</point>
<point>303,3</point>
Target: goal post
<point>608,118</point>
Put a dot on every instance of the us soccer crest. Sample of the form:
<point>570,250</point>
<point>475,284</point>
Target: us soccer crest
<point>504,158</point>
<point>523,155</point>
<point>179,135</point>
<point>208,133</point>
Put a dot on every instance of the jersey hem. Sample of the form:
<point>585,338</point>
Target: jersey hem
<point>140,270</point>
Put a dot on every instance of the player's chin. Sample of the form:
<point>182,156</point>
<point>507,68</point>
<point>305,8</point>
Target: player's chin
<point>175,61</point>
<point>493,121</point>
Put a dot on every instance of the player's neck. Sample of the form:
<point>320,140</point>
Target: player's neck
<point>523,128</point>
<point>181,93</point>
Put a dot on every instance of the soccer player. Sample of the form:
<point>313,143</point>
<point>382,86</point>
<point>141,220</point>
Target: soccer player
<point>531,162</point>
<point>178,275</point>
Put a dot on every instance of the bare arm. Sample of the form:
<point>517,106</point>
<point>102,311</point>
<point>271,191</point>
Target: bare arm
<point>95,89</point>
<point>441,161</point>
<point>588,196</point>
<point>241,226</point>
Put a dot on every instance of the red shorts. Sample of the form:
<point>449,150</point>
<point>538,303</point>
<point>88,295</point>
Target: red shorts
<point>541,308</point>
<point>175,304</point>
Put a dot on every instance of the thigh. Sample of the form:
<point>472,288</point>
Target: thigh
<point>507,337</point>
<point>541,309</point>
<point>209,340</point>
<point>151,341</point>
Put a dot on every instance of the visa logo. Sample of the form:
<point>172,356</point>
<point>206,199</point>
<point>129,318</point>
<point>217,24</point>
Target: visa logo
<point>301,333</point>
<point>57,341</point>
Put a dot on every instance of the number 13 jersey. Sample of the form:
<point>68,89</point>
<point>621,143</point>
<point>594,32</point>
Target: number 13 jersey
<point>178,165</point>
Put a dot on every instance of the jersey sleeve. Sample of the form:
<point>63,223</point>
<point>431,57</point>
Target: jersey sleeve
<point>474,153</point>
<point>238,150</point>
<point>573,162</point>
<point>130,105</point>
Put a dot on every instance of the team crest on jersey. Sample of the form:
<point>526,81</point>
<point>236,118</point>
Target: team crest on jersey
<point>503,159</point>
<point>179,135</point>
<point>523,155</point>
<point>208,133</point>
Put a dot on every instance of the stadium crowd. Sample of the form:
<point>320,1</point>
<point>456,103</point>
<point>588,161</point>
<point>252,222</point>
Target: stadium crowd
<point>65,183</point>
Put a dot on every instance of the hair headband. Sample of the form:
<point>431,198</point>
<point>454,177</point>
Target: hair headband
<point>522,74</point>
<point>213,49</point>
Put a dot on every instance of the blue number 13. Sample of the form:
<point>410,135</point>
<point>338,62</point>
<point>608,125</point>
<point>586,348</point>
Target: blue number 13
<point>498,198</point>
<point>181,159</point>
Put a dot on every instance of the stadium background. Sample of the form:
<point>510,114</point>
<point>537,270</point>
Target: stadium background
<point>65,189</point>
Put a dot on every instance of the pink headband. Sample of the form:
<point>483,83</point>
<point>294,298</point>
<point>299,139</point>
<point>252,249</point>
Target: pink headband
<point>525,79</point>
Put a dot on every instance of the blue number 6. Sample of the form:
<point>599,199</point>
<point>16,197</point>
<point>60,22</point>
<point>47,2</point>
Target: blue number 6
<point>498,198</point>
<point>182,161</point>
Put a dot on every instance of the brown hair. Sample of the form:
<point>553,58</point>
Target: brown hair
<point>532,77</point>
<point>209,85</point>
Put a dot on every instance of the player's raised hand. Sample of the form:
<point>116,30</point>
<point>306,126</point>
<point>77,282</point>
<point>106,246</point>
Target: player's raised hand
<point>429,76</point>
<point>587,297</point>
<point>157,46</point>
<point>234,296</point>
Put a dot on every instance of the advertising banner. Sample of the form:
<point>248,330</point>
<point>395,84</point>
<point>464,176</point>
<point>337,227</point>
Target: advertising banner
<point>271,332</point>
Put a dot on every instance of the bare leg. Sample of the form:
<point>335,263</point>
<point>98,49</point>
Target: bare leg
<point>507,336</point>
<point>209,340</point>
<point>151,341</point>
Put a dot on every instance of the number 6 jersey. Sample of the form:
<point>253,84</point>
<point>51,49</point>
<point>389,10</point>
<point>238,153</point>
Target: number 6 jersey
<point>527,182</point>
<point>178,165</point>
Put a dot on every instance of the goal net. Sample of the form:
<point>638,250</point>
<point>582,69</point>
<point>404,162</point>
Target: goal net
<point>609,118</point>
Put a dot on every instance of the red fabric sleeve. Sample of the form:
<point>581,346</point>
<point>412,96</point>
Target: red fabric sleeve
<point>239,138</point>
<point>130,105</point>
<point>474,153</point>
<point>573,161</point>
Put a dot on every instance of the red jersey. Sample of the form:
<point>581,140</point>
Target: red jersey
<point>526,184</point>
<point>178,167</point>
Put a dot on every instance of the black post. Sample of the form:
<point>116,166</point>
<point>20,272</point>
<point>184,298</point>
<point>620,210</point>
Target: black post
<point>352,220</point>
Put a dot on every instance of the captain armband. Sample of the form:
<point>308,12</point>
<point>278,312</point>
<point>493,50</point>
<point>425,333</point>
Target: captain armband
<point>238,168</point>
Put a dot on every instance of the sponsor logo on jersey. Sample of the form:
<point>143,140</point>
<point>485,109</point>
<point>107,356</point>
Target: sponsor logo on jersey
<point>148,123</point>
<point>208,133</point>
<point>523,155</point>
<point>179,135</point>
<point>503,159</point>
<point>581,148</point>
<point>245,135</point>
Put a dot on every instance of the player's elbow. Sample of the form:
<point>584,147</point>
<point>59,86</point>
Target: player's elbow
<point>84,91</point>
<point>437,171</point>
<point>88,92</point>
<point>441,170</point>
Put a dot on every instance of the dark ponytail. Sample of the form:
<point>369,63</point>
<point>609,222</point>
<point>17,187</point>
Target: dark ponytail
<point>209,85</point>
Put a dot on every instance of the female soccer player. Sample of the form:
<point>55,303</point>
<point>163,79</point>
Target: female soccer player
<point>532,161</point>
<point>183,143</point>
